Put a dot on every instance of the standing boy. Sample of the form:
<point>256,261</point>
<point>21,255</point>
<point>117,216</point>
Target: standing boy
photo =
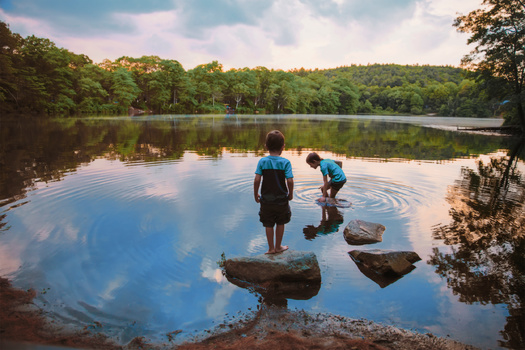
<point>276,191</point>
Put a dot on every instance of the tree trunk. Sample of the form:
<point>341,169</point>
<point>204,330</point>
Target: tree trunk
<point>238,99</point>
<point>521,116</point>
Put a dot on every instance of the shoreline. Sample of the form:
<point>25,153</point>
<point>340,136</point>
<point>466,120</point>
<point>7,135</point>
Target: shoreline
<point>22,323</point>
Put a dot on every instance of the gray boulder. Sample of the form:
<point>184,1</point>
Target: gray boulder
<point>384,267</point>
<point>290,274</point>
<point>359,232</point>
<point>289,265</point>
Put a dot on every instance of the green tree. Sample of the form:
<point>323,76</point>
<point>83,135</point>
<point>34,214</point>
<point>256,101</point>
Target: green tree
<point>47,76</point>
<point>348,95</point>
<point>177,81</point>
<point>242,86</point>
<point>416,104</point>
<point>282,92</point>
<point>92,89</point>
<point>265,87</point>
<point>207,84</point>
<point>9,44</point>
<point>123,90</point>
<point>498,30</point>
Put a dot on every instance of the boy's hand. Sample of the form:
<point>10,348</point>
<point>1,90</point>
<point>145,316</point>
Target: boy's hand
<point>289,183</point>
<point>256,184</point>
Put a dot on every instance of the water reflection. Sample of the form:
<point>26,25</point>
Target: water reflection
<point>45,150</point>
<point>332,218</point>
<point>121,221</point>
<point>278,292</point>
<point>486,261</point>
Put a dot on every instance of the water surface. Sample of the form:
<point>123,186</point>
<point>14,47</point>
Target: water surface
<point>120,222</point>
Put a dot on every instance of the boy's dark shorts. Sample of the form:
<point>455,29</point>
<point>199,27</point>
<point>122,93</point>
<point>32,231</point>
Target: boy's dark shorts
<point>337,185</point>
<point>275,214</point>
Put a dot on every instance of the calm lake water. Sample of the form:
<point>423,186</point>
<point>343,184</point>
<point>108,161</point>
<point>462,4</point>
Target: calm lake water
<point>118,223</point>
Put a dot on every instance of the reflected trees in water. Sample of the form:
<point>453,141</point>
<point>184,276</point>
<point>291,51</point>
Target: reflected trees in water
<point>486,260</point>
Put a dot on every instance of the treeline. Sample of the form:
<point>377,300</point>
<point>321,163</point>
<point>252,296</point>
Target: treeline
<point>38,77</point>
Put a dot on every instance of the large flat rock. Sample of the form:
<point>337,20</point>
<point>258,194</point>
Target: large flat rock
<point>288,266</point>
<point>287,275</point>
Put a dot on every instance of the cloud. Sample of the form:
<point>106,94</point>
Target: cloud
<point>199,15</point>
<point>83,18</point>
<point>372,11</point>
<point>279,34</point>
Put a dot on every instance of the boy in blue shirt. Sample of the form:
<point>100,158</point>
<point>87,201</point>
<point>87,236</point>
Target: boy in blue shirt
<point>329,169</point>
<point>276,191</point>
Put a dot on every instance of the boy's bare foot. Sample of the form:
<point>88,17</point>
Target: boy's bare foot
<point>281,249</point>
<point>270,252</point>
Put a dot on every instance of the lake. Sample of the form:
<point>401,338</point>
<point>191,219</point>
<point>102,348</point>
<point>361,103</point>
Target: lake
<point>120,222</point>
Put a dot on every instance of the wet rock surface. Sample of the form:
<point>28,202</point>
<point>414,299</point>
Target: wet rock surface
<point>277,277</point>
<point>359,232</point>
<point>287,266</point>
<point>384,267</point>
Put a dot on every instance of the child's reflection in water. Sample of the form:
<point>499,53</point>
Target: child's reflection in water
<point>332,218</point>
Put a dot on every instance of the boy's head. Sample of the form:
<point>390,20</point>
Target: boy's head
<point>274,141</point>
<point>313,159</point>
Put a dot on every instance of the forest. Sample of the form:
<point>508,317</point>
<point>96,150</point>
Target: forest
<point>39,78</point>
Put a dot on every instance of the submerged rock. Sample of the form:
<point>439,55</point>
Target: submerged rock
<point>384,267</point>
<point>359,232</point>
<point>290,274</point>
<point>333,202</point>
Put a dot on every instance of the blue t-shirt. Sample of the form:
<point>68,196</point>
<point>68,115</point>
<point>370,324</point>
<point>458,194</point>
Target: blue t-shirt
<point>334,171</point>
<point>274,170</point>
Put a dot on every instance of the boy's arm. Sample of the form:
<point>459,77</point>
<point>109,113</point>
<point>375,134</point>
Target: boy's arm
<point>325,186</point>
<point>289,182</point>
<point>256,184</point>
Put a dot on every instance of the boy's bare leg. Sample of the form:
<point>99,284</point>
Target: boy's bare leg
<point>279,233</point>
<point>269,237</point>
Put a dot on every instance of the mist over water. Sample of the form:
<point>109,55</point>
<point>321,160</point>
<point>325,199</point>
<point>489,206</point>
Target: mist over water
<point>122,221</point>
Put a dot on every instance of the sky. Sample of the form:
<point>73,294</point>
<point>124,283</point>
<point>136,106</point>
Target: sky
<point>276,34</point>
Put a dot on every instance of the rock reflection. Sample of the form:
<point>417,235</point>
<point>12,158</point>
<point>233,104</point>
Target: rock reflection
<point>278,292</point>
<point>487,234</point>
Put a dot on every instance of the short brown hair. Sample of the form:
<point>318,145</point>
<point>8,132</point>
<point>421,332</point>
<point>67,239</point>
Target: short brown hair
<point>274,140</point>
<point>313,157</point>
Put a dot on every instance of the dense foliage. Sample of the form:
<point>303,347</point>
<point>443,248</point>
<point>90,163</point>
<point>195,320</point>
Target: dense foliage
<point>498,31</point>
<point>38,77</point>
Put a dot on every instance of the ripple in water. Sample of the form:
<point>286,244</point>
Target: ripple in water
<point>374,193</point>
